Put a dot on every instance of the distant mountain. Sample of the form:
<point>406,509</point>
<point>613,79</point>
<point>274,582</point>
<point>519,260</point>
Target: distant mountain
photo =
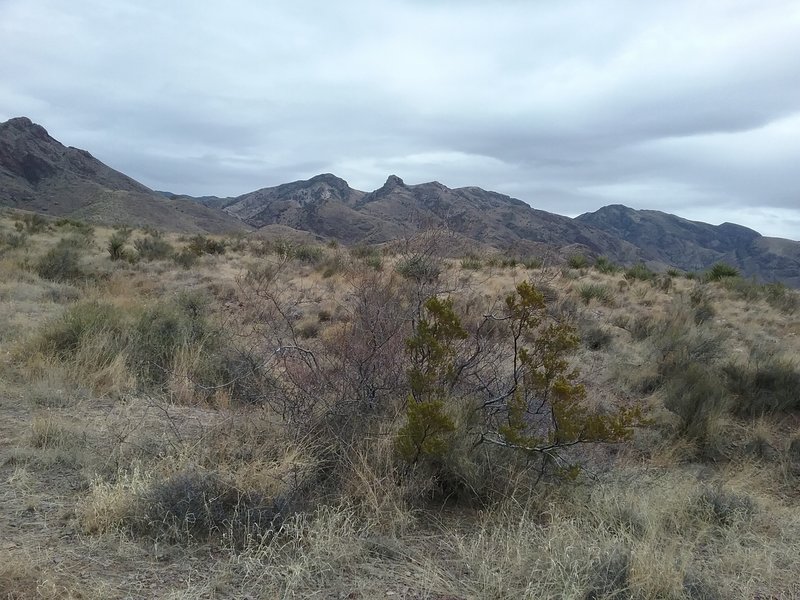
<point>695,246</point>
<point>38,173</point>
<point>326,205</point>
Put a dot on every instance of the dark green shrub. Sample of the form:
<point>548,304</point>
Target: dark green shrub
<point>116,245</point>
<point>153,247</point>
<point>721,271</point>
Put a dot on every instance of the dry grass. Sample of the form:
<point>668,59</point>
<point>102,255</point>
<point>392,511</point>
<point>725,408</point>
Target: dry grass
<point>118,481</point>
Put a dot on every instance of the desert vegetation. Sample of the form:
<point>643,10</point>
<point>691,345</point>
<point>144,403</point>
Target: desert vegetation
<point>228,417</point>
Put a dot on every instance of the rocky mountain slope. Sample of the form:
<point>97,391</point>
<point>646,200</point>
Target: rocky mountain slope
<point>694,246</point>
<point>326,205</point>
<point>40,174</point>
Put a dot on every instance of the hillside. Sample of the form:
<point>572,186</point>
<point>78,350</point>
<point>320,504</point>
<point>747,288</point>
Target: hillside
<point>306,420</point>
<point>38,173</point>
<point>695,246</point>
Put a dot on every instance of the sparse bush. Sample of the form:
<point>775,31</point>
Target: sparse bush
<point>577,261</point>
<point>31,223</point>
<point>767,385</point>
<point>331,266</point>
<point>697,395</point>
<point>782,298</point>
<point>116,245</point>
<point>83,325</point>
<point>153,247</point>
<point>185,259</point>
<point>419,268</point>
<point>604,265</point>
<point>200,244</point>
<point>746,289</point>
<point>596,338</point>
<point>532,262</point>
<point>721,271</point>
<point>472,263</point>
<point>662,282</point>
<point>724,507</point>
<point>166,330</point>
<point>639,272</point>
<point>14,240</point>
<point>80,227</point>
<point>595,291</point>
<point>60,263</point>
<point>307,254</point>
<point>196,505</point>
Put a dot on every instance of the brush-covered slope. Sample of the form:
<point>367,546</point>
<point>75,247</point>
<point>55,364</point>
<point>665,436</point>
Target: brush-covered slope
<point>695,246</point>
<point>40,174</point>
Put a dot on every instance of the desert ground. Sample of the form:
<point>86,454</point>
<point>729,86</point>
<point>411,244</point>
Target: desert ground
<point>240,417</point>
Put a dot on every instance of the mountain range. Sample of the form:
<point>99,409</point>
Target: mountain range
<point>38,173</point>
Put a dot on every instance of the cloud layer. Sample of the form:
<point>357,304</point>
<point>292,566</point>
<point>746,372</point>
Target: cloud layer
<point>691,107</point>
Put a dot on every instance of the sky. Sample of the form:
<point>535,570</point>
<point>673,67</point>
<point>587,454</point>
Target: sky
<point>687,106</point>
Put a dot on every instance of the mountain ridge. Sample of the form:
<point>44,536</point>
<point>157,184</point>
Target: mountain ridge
<point>39,173</point>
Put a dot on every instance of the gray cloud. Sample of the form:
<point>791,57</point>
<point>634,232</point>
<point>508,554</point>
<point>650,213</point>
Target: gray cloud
<point>690,106</point>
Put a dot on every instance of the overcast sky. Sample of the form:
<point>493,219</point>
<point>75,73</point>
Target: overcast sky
<point>691,107</point>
